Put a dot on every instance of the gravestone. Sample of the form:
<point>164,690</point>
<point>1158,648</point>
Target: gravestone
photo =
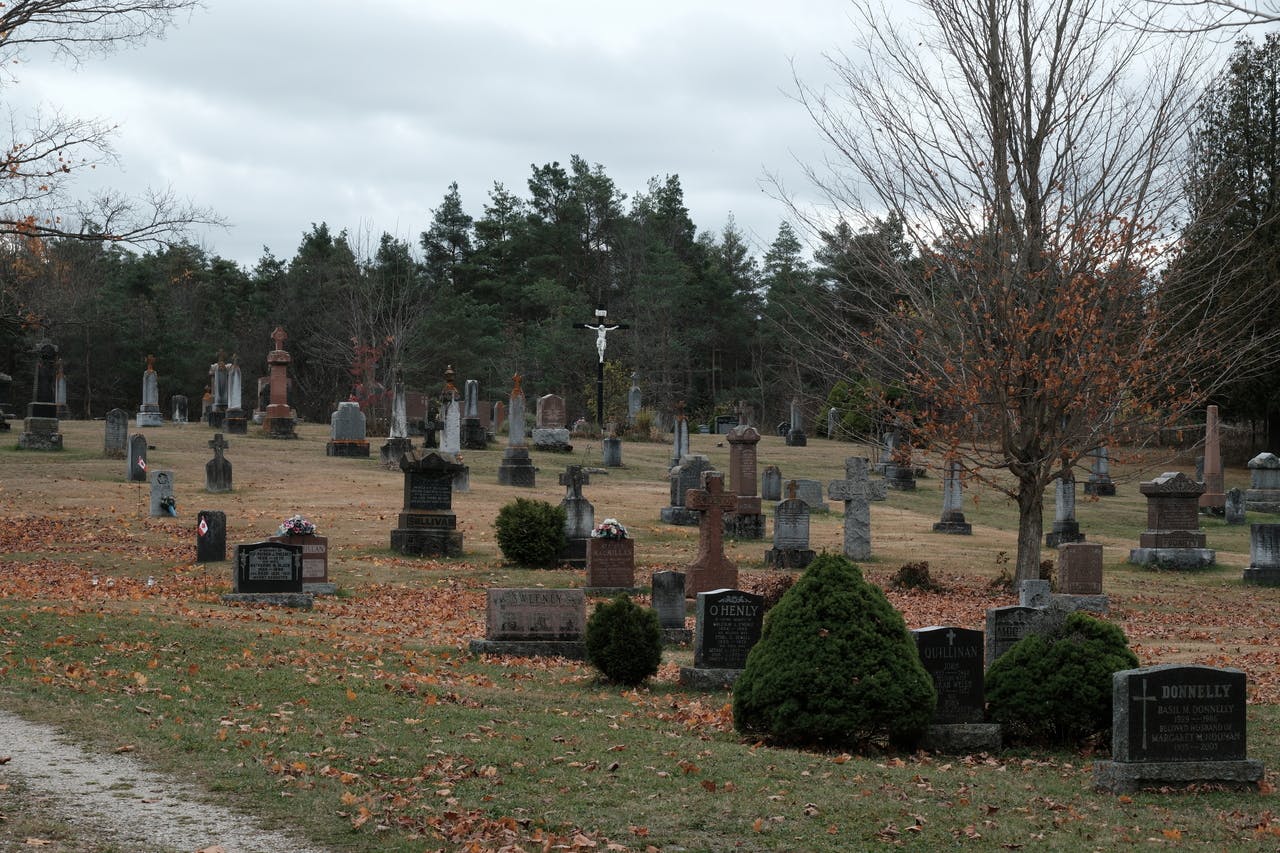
<point>952,520</point>
<point>279,419</point>
<point>178,402</point>
<point>1173,538</point>
<point>270,573</point>
<point>580,516</point>
<point>149,412</point>
<point>347,432</point>
<point>1065,527</point>
<point>211,536</point>
<point>771,483</point>
<point>40,429</point>
<point>217,471</point>
<point>1212,500</point>
<point>474,434</point>
<point>685,476</point>
<point>633,400</point>
<point>1233,510</point>
<point>315,561</point>
<point>534,623</point>
<point>451,432</point>
<point>1008,625</point>
<point>953,658</point>
<point>857,491</point>
<point>710,568</point>
<point>516,468</point>
<point>1264,555</point>
<point>262,400</point>
<point>795,435</point>
<point>724,424</point>
<point>888,444</point>
<point>427,523</point>
<point>900,473</point>
<point>216,415</point>
<point>398,442</point>
<point>550,433</point>
<point>1080,569</point>
<point>163,502</point>
<point>136,461</point>
<point>611,565</point>
<point>237,419</point>
<point>115,443</point>
<point>60,392</point>
<point>1177,725</point>
<point>679,436</point>
<point>747,520</point>
<point>728,624</point>
<point>833,422</point>
<point>611,452</point>
<point>668,601</point>
<point>1035,592</point>
<point>1099,482</point>
<point>790,534</point>
<point>809,491</point>
<point>1263,494</point>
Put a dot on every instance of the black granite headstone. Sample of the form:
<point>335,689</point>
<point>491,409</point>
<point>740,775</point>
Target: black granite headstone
<point>268,567</point>
<point>728,625</point>
<point>1179,713</point>
<point>953,659</point>
<point>211,536</point>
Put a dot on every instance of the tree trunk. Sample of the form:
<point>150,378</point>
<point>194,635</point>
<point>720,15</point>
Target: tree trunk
<point>1030,527</point>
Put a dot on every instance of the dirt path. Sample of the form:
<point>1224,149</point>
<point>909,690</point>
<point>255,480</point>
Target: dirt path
<point>114,797</point>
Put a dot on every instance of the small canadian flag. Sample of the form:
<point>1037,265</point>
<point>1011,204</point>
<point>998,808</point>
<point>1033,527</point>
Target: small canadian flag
<point>142,463</point>
<point>203,527</point>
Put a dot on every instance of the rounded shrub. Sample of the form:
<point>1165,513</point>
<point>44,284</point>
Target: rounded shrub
<point>624,641</point>
<point>531,532</point>
<point>1056,687</point>
<point>835,665</point>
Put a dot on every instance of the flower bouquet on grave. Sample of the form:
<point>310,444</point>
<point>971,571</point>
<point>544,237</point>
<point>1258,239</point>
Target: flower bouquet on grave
<point>610,528</point>
<point>296,526</point>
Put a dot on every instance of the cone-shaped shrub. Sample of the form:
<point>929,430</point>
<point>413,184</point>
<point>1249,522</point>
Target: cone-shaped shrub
<point>835,665</point>
<point>624,641</point>
<point>531,532</point>
<point>1056,687</point>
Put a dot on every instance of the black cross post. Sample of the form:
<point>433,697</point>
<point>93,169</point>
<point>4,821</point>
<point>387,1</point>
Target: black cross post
<point>601,327</point>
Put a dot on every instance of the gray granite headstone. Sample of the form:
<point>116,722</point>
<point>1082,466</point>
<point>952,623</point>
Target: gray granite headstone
<point>115,442</point>
<point>451,437</point>
<point>611,452</point>
<point>685,476</point>
<point>1264,484</point>
<point>809,491</point>
<point>771,483</point>
<point>162,498</point>
<point>580,516</point>
<point>1007,625</point>
<point>790,536</point>
<point>1264,555</point>
<point>1234,509</point>
<point>347,423</point>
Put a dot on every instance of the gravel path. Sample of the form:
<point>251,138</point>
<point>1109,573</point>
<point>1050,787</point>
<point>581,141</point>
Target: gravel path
<point>115,797</point>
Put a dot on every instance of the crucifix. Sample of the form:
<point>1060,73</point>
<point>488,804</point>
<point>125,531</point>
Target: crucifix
<point>602,328</point>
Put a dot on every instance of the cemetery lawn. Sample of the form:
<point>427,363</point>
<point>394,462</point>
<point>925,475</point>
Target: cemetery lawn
<point>366,725</point>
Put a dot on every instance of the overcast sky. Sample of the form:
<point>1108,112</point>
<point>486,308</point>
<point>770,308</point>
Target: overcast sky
<point>282,113</point>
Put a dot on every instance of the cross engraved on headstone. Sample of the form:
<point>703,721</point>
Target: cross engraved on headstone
<point>573,479</point>
<point>857,490</point>
<point>951,637</point>
<point>1144,699</point>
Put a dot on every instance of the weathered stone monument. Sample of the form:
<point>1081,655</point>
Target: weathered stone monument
<point>809,491</point>
<point>211,536</point>
<point>1173,537</point>
<point>668,601</point>
<point>279,418</point>
<point>633,400</point>
<point>1065,527</point>
<point>347,431</point>
<point>269,573</point>
<point>451,417</point>
<point>795,435</point>
<point>747,520</point>
<point>1264,555</point>
<point>115,442</point>
<point>580,516</point>
<point>474,435</point>
<point>1177,725</point>
<point>1234,509</point>
<point>771,483</point>
<point>1080,569</point>
<point>1263,494</point>
<point>611,452</point>
<point>710,568</point>
<point>953,658</point>
<point>60,391</point>
<point>857,491</point>
<point>427,524</point>
<point>217,471</point>
<point>237,419</point>
<point>611,562</point>
<point>398,442</point>
<point>516,468</point>
<point>1007,625</point>
<point>685,476</point>
<point>219,385</point>
<point>550,433</point>
<point>315,561</point>
<point>178,403</point>
<point>952,520</point>
<point>40,429</point>
<point>790,534</point>
<point>1099,482</point>
<point>136,462</point>
<point>1213,500</point>
<point>679,436</point>
<point>163,501</point>
<point>534,623</point>
<point>149,411</point>
<point>729,622</point>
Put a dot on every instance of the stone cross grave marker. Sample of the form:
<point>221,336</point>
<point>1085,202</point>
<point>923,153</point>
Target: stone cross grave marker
<point>710,568</point>
<point>217,471</point>
<point>580,516</point>
<point>857,491</point>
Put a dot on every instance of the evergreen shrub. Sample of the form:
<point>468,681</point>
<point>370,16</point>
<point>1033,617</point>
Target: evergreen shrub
<point>624,641</point>
<point>835,666</point>
<point>1055,688</point>
<point>531,532</point>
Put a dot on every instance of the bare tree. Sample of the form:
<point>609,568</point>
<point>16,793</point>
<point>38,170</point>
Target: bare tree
<point>1204,16</point>
<point>1031,151</point>
<point>47,149</point>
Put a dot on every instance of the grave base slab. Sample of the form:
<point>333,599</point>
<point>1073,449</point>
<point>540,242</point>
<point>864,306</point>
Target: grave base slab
<point>320,588</point>
<point>1124,776</point>
<point>571,649</point>
<point>708,679</point>
<point>1174,558</point>
<point>677,636</point>
<point>298,600</point>
<point>962,738</point>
